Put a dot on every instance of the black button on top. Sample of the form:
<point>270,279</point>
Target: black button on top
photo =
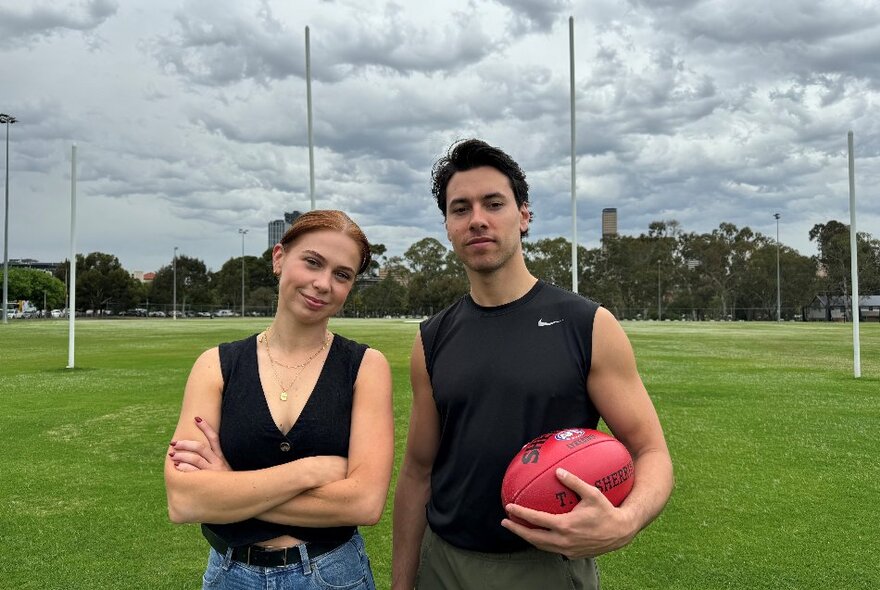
<point>285,446</point>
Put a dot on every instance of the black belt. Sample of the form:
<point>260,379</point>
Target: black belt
<point>264,557</point>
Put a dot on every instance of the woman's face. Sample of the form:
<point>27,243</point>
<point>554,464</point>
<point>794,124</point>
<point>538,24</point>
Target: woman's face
<point>318,270</point>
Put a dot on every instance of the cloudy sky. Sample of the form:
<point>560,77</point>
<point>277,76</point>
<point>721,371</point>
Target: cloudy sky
<point>190,116</point>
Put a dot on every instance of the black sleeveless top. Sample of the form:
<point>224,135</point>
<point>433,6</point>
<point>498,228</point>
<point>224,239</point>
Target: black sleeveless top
<point>250,439</point>
<point>501,376</point>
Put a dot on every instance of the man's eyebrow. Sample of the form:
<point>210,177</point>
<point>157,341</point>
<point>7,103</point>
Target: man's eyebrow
<point>491,195</point>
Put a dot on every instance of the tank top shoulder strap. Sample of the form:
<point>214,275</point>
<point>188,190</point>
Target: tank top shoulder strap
<point>232,354</point>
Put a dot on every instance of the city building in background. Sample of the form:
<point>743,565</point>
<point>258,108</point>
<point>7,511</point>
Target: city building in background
<point>277,227</point>
<point>143,277</point>
<point>48,267</point>
<point>609,222</point>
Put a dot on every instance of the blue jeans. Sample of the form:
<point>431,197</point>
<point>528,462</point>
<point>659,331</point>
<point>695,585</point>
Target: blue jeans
<point>344,568</point>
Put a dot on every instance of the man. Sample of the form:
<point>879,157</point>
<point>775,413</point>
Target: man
<point>513,359</point>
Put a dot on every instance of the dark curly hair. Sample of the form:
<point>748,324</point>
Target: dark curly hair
<point>467,154</point>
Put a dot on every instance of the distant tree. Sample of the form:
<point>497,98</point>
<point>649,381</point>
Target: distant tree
<point>758,286</point>
<point>428,294</point>
<point>102,283</point>
<point>597,281</point>
<point>194,285</point>
<point>799,280</point>
<point>549,259</point>
<point>426,256</point>
<point>436,278</point>
<point>455,281</point>
<point>377,258</point>
<point>624,274</point>
<point>721,261</point>
<point>869,273</point>
<point>669,228</point>
<point>262,299</point>
<point>35,286</point>
<point>259,273</point>
<point>387,297</point>
<point>226,282</point>
<point>396,267</point>
<point>833,241</point>
<point>835,259</point>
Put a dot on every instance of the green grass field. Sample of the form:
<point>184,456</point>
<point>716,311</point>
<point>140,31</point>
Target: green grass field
<point>774,444</point>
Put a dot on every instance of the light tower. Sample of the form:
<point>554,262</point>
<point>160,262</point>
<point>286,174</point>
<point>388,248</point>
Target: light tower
<point>778,275</point>
<point>243,232</point>
<point>6,120</point>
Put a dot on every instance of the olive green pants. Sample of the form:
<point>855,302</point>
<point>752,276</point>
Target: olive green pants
<point>445,567</point>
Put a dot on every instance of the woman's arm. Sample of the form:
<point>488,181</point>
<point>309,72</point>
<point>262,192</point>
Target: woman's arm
<point>212,496</point>
<point>359,499</point>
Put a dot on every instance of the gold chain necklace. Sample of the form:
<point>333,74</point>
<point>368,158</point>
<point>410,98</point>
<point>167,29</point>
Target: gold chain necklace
<point>298,368</point>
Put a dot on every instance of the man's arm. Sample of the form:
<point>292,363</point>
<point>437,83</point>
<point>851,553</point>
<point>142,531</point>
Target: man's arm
<point>414,480</point>
<point>595,526</point>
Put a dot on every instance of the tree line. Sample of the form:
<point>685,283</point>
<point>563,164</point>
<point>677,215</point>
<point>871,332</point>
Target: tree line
<point>728,273</point>
<point>664,273</point>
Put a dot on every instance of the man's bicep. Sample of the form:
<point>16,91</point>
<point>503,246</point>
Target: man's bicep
<point>616,389</point>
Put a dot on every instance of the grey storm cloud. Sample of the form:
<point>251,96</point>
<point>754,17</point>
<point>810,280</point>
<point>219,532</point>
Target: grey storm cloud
<point>30,21</point>
<point>190,115</point>
<point>536,15</point>
<point>220,49</point>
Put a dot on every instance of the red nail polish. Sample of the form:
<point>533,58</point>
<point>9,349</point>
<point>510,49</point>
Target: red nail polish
<point>198,419</point>
<point>174,442</point>
<point>171,454</point>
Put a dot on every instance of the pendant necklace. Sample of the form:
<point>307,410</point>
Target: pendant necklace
<point>298,368</point>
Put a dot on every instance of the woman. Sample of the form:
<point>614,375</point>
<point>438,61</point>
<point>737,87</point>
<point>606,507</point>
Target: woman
<point>303,445</point>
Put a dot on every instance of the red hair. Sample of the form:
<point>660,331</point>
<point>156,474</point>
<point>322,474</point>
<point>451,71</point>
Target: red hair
<point>329,219</point>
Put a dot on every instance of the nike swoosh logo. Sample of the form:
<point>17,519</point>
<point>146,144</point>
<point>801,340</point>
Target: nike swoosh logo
<point>542,323</point>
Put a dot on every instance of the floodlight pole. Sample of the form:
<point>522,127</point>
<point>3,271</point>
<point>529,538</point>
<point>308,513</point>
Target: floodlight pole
<point>309,109</point>
<point>7,120</point>
<point>659,295</point>
<point>778,275</point>
<point>242,232</point>
<point>574,271</point>
<point>174,289</point>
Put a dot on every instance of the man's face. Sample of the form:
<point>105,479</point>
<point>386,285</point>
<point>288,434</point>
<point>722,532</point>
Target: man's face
<point>483,221</point>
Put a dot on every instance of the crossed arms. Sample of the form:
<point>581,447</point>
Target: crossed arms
<point>313,491</point>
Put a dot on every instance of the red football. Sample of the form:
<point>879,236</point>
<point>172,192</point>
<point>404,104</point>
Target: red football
<point>593,456</point>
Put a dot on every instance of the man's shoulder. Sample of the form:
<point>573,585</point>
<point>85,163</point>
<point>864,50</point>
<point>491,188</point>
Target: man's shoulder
<point>435,320</point>
<point>552,294</point>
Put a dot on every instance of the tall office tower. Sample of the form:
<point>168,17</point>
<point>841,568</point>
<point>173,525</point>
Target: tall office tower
<point>278,227</point>
<point>276,231</point>
<point>609,222</point>
<point>291,217</point>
